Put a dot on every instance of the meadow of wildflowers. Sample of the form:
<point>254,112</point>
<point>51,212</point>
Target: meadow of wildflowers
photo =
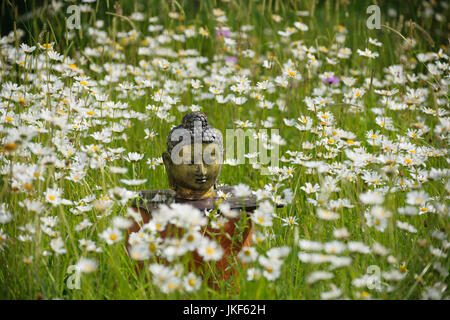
<point>363,132</point>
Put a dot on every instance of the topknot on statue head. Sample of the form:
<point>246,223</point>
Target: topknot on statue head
<point>196,125</point>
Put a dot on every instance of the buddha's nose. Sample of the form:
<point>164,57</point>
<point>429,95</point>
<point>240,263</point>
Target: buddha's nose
<point>200,169</point>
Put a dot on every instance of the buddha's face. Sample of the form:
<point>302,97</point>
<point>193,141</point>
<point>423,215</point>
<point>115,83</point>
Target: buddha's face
<point>197,172</point>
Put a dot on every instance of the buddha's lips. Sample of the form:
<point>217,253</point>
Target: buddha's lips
<point>201,179</point>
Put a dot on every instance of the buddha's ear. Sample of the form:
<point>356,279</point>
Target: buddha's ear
<point>218,176</point>
<point>166,159</point>
<point>168,165</point>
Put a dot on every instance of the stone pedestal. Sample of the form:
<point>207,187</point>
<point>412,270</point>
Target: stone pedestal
<point>150,200</point>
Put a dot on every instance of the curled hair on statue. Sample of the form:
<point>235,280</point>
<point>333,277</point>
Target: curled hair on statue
<point>194,124</point>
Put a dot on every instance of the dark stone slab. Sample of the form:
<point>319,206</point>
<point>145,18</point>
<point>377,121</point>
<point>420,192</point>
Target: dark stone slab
<point>149,200</point>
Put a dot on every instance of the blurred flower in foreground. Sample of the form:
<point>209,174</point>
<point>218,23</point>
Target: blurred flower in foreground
<point>86,265</point>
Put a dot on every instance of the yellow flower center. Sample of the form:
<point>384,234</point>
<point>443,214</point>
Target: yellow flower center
<point>171,286</point>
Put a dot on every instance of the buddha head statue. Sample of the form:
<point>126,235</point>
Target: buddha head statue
<point>193,159</point>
